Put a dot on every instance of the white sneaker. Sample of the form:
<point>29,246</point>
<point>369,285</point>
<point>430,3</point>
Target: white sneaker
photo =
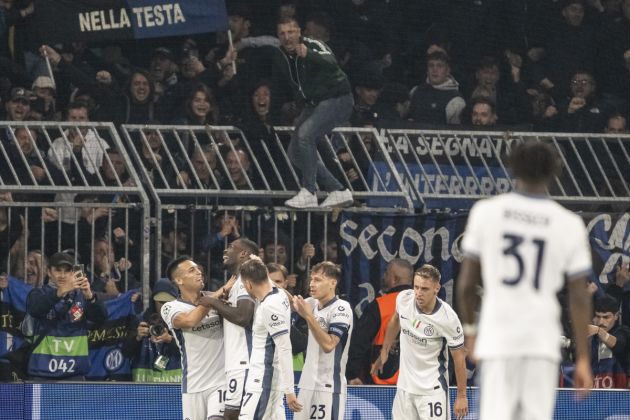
<point>338,199</point>
<point>302,200</point>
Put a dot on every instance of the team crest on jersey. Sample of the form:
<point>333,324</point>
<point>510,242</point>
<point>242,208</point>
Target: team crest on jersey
<point>429,331</point>
<point>76,312</point>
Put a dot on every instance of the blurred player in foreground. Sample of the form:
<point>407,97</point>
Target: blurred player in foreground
<point>525,247</point>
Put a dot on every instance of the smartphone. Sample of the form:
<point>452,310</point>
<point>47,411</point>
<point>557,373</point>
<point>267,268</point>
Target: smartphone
<point>78,270</point>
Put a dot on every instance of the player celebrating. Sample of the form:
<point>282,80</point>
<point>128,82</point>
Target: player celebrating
<point>270,374</point>
<point>428,326</point>
<point>323,383</point>
<point>524,246</point>
<point>199,335</point>
<point>237,322</point>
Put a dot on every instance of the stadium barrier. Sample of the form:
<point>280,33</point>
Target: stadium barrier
<point>106,401</point>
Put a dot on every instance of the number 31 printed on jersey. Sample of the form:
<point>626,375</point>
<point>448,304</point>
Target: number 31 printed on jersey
<point>514,249</point>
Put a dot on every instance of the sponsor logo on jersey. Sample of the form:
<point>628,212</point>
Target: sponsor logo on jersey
<point>274,317</point>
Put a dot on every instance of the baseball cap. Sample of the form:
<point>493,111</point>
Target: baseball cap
<point>20,94</point>
<point>60,259</point>
<point>43,82</point>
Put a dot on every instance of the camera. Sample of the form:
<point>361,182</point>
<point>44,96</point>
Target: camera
<point>156,330</point>
<point>78,270</point>
<point>156,325</point>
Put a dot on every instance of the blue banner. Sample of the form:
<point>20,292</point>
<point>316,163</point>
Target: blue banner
<point>369,243</point>
<point>105,343</point>
<point>12,311</point>
<point>127,19</point>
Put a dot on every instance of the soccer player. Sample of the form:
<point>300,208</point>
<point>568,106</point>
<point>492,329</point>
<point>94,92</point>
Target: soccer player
<point>323,382</point>
<point>237,324</point>
<point>270,375</point>
<point>525,247</point>
<point>199,335</point>
<point>428,326</point>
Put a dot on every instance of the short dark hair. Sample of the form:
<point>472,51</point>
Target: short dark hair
<point>605,304</point>
<point>329,269</point>
<point>287,19</point>
<point>248,245</point>
<point>487,62</point>
<point>174,265</point>
<point>429,271</point>
<point>78,105</point>
<point>482,100</point>
<point>438,56</point>
<point>534,161</point>
<point>254,271</point>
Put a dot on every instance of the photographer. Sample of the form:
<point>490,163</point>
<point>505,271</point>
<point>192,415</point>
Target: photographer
<point>61,309</point>
<point>150,346</point>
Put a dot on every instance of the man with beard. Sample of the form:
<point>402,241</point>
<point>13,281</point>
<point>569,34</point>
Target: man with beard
<point>237,325</point>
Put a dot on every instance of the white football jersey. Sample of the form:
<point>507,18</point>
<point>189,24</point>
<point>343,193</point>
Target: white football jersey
<point>201,348</point>
<point>326,371</point>
<point>238,340</point>
<point>425,340</point>
<point>527,247</point>
<point>271,320</point>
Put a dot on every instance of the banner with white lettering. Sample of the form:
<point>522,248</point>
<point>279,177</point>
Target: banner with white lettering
<point>369,243</point>
<point>106,341</point>
<point>455,164</point>
<point>80,20</point>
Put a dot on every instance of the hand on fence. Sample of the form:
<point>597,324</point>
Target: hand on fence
<point>308,252</point>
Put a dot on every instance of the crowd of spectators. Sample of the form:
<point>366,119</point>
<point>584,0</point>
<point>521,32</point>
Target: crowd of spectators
<point>562,67</point>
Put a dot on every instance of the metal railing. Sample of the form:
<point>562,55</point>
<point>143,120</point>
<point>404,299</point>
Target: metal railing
<point>451,169</point>
<point>68,184</point>
<point>177,188</point>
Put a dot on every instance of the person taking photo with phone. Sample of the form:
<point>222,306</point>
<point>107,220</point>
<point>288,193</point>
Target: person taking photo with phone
<point>61,310</point>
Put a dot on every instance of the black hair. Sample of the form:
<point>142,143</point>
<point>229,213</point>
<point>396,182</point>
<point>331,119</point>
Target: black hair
<point>248,245</point>
<point>173,265</point>
<point>605,304</point>
<point>534,162</point>
<point>485,101</point>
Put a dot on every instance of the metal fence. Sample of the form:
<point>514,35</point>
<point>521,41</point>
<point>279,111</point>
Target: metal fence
<point>177,190</point>
<point>71,186</point>
<point>451,169</point>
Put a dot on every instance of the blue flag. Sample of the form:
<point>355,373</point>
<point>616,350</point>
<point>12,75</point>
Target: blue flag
<point>106,341</point>
<point>12,310</point>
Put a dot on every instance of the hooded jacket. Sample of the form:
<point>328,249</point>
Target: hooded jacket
<point>441,104</point>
